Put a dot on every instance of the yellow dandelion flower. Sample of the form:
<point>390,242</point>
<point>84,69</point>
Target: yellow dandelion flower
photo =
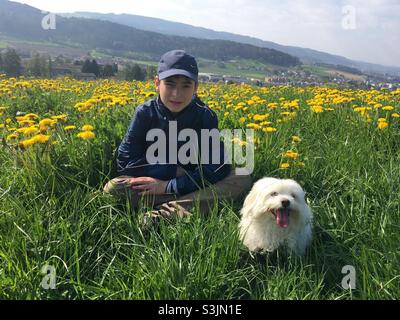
<point>388,108</point>
<point>253,125</point>
<point>272,105</point>
<point>242,119</point>
<point>382,125</point>
<point>26,122</point>
<point>86,135</point>
<point>59,117</point>
<point>27,143</point>
<point>291,154</point>
<point>31,116</point>
<point>382,120</point>
<point>87,127</point>
<point>296,139</point>
<point>269,129</point>
<point>317,109</point>
<point>226,114</point>
<point>12,136</point>
<point>47,122</point>
<point>41,138</point>
<point>29,131</point>
<point>284,165</point>
<point>260,117</point>
<point>79,105</point>
<point>69,128</point>
<point>395,115</point>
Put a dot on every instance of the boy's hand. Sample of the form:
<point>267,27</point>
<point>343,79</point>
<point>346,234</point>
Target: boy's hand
<point>148,185</point>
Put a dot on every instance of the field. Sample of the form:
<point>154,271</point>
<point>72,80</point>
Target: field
<point>58,139</point>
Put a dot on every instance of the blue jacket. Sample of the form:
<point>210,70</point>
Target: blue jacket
<point>131,159</point>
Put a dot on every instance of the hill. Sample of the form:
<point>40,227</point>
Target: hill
<point>307,56</point>
<point>25,22</point>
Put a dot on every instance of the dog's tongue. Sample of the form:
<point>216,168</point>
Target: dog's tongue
<point>282,217</point>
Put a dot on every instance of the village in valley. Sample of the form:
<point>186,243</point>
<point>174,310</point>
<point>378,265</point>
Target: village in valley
<point>91,67</point>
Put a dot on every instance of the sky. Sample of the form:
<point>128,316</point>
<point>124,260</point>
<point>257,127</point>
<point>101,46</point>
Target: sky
<point>364,30</point>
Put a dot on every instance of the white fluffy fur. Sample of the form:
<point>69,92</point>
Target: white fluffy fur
<point>258,228</point>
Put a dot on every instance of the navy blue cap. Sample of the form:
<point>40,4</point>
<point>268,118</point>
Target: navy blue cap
<point>177,62</point>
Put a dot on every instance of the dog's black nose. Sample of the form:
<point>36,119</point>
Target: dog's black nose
<point>285,203</point>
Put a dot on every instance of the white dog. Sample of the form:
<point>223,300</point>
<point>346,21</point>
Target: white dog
<point>275,213</point>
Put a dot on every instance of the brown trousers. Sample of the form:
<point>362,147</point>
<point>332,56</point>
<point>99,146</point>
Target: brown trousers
<point>227,189</point>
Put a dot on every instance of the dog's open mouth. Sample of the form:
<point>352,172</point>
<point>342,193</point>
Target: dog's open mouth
<point>282,216</point>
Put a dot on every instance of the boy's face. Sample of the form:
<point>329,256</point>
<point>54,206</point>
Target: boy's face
<point>176,92</point>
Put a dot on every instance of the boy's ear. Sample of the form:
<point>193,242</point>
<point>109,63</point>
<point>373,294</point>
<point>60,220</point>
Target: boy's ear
<point>157,83</point>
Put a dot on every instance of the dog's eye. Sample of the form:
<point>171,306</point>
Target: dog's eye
<point>294,196</point>
<point>274,194</point>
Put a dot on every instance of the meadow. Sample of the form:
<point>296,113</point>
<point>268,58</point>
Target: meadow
<point>57,150</point>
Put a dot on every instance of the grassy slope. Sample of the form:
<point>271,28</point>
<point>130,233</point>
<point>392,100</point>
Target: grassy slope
<point>206,66</point>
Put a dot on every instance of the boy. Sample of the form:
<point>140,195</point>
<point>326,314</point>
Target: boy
<point>175,185</point>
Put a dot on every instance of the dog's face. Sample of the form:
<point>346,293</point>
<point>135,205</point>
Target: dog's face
<point>280,200</point>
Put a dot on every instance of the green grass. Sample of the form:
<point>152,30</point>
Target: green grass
<point>3,44</point>
<point>231,68</point>
<point>320,71</point>
<point>52,212</point>
<point>6,41</point>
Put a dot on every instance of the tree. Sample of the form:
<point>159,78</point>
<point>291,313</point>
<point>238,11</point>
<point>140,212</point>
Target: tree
<point>95,68</point>
<point>128,72</point>
<point>151,72</point>
<point>49,68</point>
<point>40,66</point>
<point>138,73</point>
<point>35,66</point>
<point>91,67</point>
<point>134,72</point>
<point>115,68</point>
<point>1,63</point>
<point>12,63</point>
<point>87,66</point>
<point>108,71</point>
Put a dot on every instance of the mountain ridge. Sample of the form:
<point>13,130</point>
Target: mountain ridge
<point>25,22</point>
<point>306,55</point>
